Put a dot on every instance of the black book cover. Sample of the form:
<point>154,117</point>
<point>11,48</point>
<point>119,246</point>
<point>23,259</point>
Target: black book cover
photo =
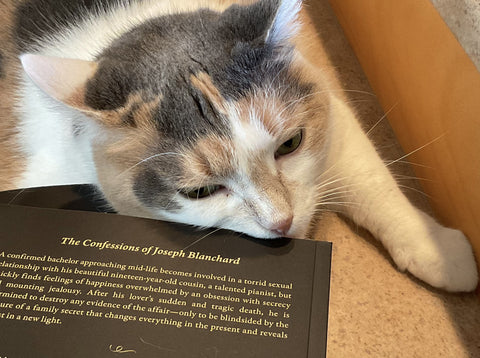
<point>83,284</point>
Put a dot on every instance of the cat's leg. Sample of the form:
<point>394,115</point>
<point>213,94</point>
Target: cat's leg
<point>438,255</point>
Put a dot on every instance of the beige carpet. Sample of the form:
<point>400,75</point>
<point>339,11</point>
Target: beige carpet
<point>375,310</point>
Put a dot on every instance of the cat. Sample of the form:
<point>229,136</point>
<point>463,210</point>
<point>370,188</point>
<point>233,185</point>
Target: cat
<point>205,114</point>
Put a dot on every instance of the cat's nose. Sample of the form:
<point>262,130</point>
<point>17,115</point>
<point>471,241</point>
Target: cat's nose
<point>281,227</point>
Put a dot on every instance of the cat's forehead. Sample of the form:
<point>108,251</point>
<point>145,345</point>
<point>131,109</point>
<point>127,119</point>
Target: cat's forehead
<point>160,56</point>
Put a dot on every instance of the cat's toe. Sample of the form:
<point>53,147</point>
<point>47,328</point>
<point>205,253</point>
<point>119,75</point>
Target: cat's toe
<point>444,260</point>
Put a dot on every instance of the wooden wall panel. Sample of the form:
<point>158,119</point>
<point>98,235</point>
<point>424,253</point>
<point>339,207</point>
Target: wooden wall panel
<point>416,66</point>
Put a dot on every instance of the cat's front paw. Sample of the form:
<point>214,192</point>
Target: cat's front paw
<point>441,257</point>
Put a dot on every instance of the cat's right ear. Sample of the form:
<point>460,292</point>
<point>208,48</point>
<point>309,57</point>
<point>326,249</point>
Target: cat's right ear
<point>61,78</point>
<point>286,22</point>
<point>265,21</point>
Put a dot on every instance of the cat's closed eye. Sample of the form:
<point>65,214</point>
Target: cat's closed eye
<point>290,145</point>
<point>202,192</point>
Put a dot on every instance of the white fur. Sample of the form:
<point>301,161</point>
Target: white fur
<point>286,23</point>
<point>55,156</point>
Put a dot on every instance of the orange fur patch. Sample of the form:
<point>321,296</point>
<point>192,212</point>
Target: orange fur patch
<point>204,83</point>
<point>129,143</point>
<point>266,109</point>
<point>279,116</point>
<point>135,113</point>
<point>211,158</point>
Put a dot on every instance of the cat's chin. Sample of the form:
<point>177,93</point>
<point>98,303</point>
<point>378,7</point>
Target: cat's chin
<point>274,236</point>
<point>260,236</point>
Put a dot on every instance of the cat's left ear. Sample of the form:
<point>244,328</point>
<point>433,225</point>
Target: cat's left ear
<point>63,79</point>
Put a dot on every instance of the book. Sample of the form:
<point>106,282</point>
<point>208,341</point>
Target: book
<point>88,284</point>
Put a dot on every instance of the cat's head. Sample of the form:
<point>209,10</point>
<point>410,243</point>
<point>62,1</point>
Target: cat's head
<point>204,118</point>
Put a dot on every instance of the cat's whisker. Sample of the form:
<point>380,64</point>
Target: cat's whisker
<point>353,101</point>
<point>409,177</point>
<point>414,164</point>
<point>333,203</point>
<point>323,187</point>
<point>147,159</point>
<point>326,171</point>
<point>335,188</point>
<point>335,195</point>
<point>346,90</point>
<point>167,206</point>
<point>356,91</point>
<point>416,150</point>
<point>415,190</point>
<point>326,210</point>
<point>341,203</point>
<point>16,196</point>
<point>310,111</point>
<point>203,237</point>
<point>345,195</point>
<point>382,118</point>
<point>344,192</point>
<point>282,90</point>
<point>329,182</point>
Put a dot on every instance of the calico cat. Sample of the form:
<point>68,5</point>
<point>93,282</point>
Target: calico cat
<point>205,114</point>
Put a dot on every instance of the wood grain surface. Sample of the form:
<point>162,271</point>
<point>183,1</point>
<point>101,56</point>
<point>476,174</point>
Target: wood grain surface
<point>431,91</point>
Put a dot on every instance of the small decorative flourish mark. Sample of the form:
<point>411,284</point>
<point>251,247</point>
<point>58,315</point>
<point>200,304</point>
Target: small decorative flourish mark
<point>120,349</point>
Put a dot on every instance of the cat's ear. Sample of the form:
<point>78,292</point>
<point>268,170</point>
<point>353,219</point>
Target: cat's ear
<point>61,78</point>
<point>285,24</point>
<point>268,21</point>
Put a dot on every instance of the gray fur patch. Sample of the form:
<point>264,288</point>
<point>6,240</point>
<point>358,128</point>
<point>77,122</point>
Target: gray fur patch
<point>154,191</point>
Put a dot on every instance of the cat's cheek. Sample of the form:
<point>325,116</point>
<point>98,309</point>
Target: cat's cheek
<point>224,210</point>
<point>301,174</point>
<point>203,212</point>
<point>302,220</point>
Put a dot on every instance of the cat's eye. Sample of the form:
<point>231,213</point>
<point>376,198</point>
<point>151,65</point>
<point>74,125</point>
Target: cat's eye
<point>290,145</point>
<point>202,192</point>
